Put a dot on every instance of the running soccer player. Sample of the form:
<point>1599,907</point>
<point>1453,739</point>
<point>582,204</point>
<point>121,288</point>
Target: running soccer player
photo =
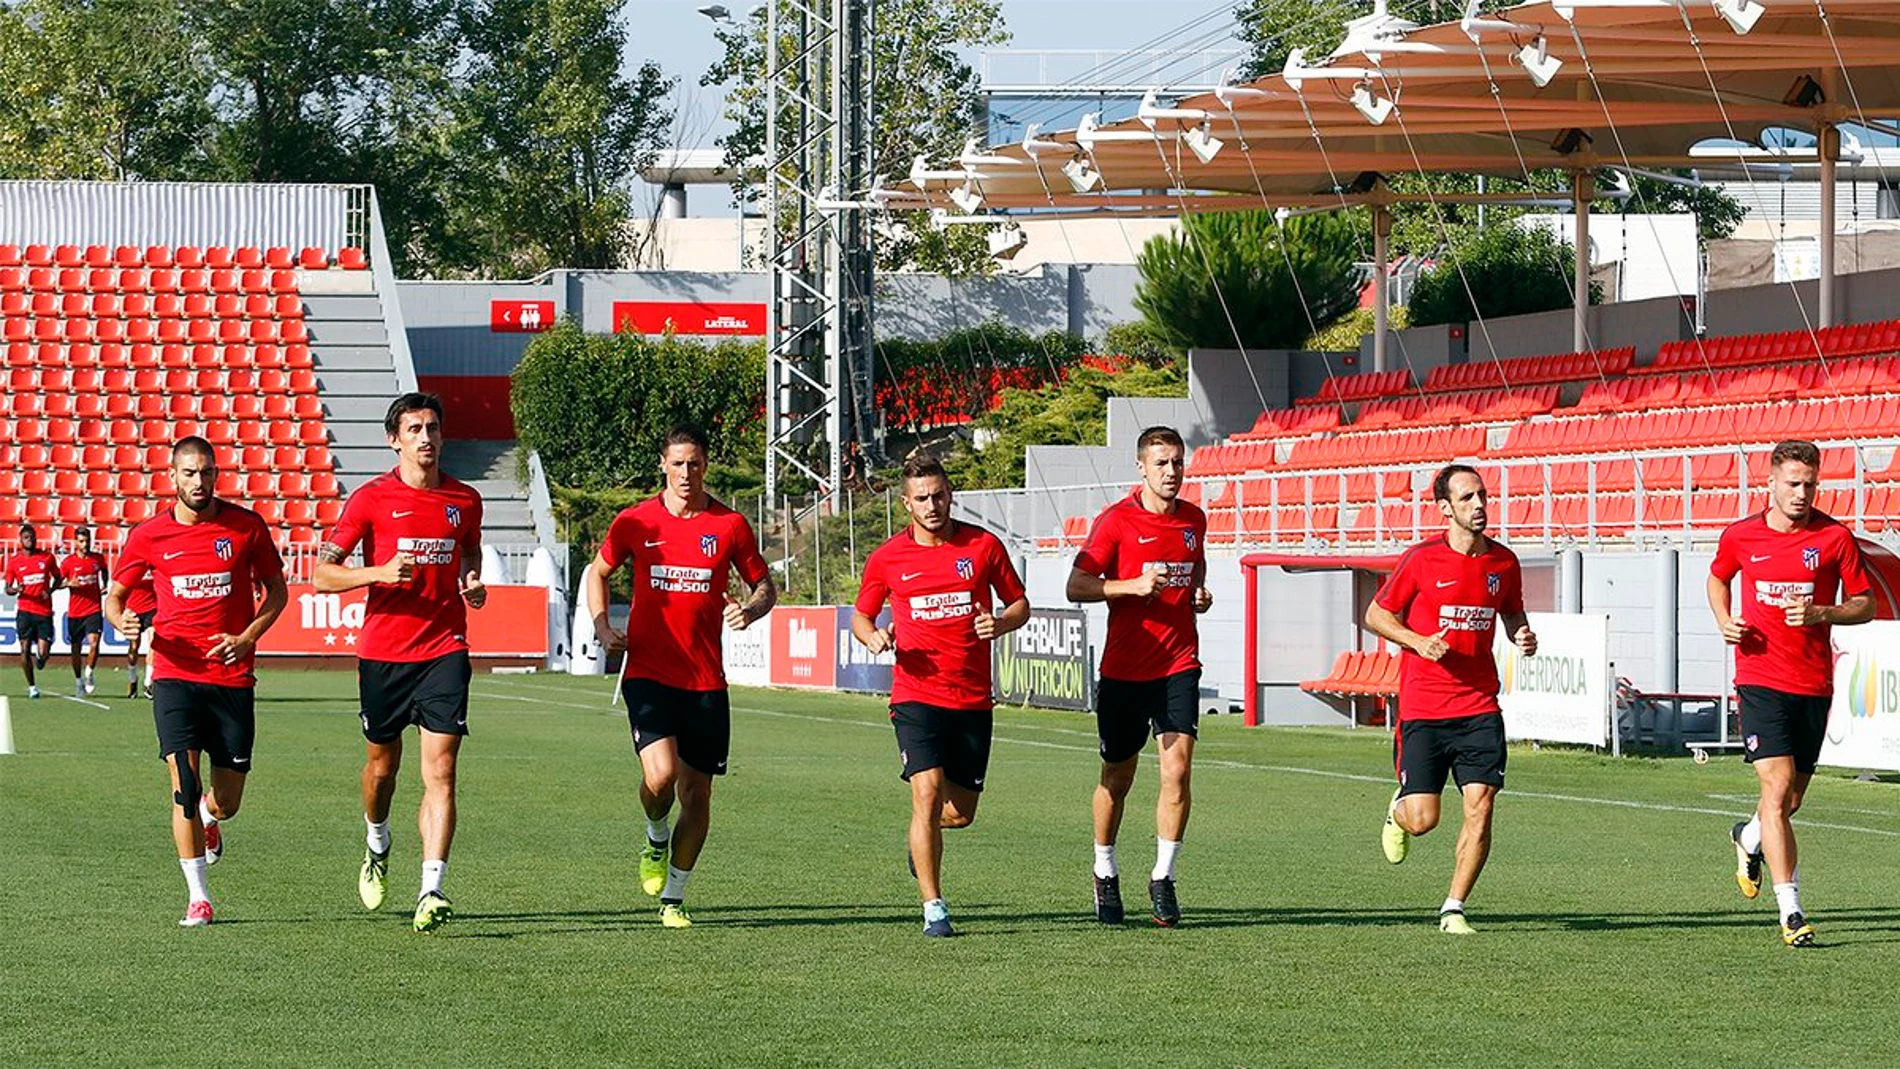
<point>680,547</point>
<point>1441,605</point>
<point>141,602</point>
<point>943,579</point>
<point>206,560</point>
<point>1146,556</point>
<point>1801,574</point>
<point>422,546</point>
<point>82,572</point>
<point>32,576</point>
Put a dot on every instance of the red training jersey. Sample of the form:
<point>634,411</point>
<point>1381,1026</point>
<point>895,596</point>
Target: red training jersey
<point>1435,588</point>
<point>936,592</point>
<point>1820,560</point>
<point>33,574</point>
<point>140,598</point>
<point>680,568</point>
<point>82,573</point>
<point>438,526</point>
<point>206,576</point>
<point>1149,638</point>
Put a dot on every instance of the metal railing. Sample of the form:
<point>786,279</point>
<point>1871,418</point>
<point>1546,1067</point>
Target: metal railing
<point>185,213</point>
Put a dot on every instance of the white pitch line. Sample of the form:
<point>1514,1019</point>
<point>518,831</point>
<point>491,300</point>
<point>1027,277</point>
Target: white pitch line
<point>82,701</point>
<point>1617,803</point>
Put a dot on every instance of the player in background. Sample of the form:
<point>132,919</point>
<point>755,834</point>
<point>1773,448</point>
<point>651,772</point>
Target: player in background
<point>144,604</point>
<point>943,579</point>
<point>1441,606</point>
<point>208,561</point>
<point>421,533</point>
<point>83,574</point>
<point>1146,556</point>
<point>1801,574</point>
<point>680,547</point>
<point>32,576</point>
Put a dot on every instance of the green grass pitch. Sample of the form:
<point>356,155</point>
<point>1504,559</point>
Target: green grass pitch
<point>1610,931</point>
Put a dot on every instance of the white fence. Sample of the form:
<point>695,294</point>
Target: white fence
<point>184,213</point>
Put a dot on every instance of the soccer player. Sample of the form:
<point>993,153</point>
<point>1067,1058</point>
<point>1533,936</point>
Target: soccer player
<point>422,549</point>
<point>1441,606</point>
<point>206,560</point>
<point>1146,557</point>
<point>680,547</point>
<point>1793,561</point>
<point>943,579</point>
<point>81,573</point>
<point>32,576</point>
<point>141,602</point>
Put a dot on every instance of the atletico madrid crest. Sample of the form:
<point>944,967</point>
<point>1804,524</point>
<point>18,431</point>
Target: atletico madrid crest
<point>1188,537</point>
<point>709,545</point>
<point>1491,583</point>
<point>1811,557</point>
<point>222,547</point>
<point>966,568</point>
<point>454,513</point>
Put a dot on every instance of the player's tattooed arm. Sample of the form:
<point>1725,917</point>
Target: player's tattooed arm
<point>328,553</point>
<point>332,576</point>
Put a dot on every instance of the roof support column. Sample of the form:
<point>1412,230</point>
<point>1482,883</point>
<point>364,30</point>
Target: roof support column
<point>1829,150</point>
<point>1381,297</point>
<point>1582,189</point>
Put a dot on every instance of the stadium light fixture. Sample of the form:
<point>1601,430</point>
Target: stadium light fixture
<point>1537,62</point>
<point>1082,175</point>
<point>1005,242</point>
<point>1201,141</point>
<point>1375,108</point>
<point>967,197</point>
<point>1741,15</point>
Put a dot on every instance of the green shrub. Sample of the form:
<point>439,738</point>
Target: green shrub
<point>1512,270</point>
<point>1224,279</point>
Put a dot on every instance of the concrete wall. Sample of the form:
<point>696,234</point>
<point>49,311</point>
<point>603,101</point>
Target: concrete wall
<point>1644,324</point>
<point>1236,387</point>
<point>1306,621</point>
<point>1129,416</point>
<point>1860,298</point>
<point>1419,348</point>
<point>1623,584</point>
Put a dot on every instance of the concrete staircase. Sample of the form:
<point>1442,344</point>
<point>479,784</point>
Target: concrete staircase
<point>356,378</point>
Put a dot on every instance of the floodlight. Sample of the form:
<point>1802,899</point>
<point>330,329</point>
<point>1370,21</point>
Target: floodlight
<point>968,198</point>
<point>1537,62</point>
<point>1202,142</point>
<point>1375,108</point>
<point>1741,15</point>
<point>1081,175</point>
<point>1006,242</point>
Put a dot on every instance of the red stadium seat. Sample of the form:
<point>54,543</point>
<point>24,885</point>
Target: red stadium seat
<point>121,406</point>
<point>329,510</point>
<point>187,428</point>
<point>283,434</point>
<point>254,282</point>
<point>311,258</point>
<point>98,484</point>
<point>124,432</point>
<point>278,407</point>
<point>351,258</point>
<point>224,280</point>
<point>308,407</point>
<point>295,336</point>
<point>39,510</point>
<point>72,279</point>
<point>254,458</point>
<point>218,256</point>
<point>292,485</point>
<point>287,458</point>
<point>158,256</point>
<point>264,331</point>
<point>256,306</point>
<point>12,510</point>
<point>288,306</point>
<point>239,381</point>
<point>194,281</point>
<point>9,255</point>
<point>68,255</point>
<point>229,485</point>
<point>37,256</point>
<point>251,432</point>
<point>246,406</point>
<point>96,458</point>
<point>259,485</point>
<point>247,256</point>
<point>279,258</point>
<point>313,434</point>
<point>323,484</point>
<point>269,511</point>
<point>303,382</point>
<point>161,483</point>
<point>98,256</point>
<point>135,511</point>
<point>131,484</point>
<point>316,458</point>
<point>163,282</point>
<point>273,381</point>
<point>283,282</point>
<point>220,432</point>
<point>12,279</point>
<point>9,484</point>
<point>133,281</point>
<point>103,511</point>
<point>299,512</point>
<point>102,280</point>
<point>127,457</point>
<point>227,306</point>
<point>128,256</point>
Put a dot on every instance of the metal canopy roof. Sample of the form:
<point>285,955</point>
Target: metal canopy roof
<point>1636,83</point>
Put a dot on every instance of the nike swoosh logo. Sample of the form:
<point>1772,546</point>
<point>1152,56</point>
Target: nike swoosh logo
<point>908,576</point>
<point>1443,583</point>
<point>169,556</point>
<point>1145,541</point>
<point>661,542</point>
<point>400,515</point>
<point>1758,560</point>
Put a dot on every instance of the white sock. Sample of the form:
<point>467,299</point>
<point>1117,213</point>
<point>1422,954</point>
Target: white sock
<point>204,811</point>
<point>936,910</point>
<point>1751,835</point>
<point>432,874</point>
<point>195,878</point>
<point>657,831</point>
<point>1452,905</point>
<point>377,835</point>
<point>1165,853</point>
<point>675,889</point>
<point>1105,861</point>
<point>1788,897</point>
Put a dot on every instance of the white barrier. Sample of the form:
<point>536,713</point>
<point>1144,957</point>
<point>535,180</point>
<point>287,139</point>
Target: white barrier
<point>748,654</point>
<point>1863,724</point>
<point>1562,694</point>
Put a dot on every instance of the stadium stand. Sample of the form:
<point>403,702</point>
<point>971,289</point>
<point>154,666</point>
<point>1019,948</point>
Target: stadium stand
<point>1359,674</point>
<point>112,353</point>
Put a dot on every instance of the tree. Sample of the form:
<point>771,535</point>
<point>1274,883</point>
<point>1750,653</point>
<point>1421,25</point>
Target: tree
<point>926,104</point>
<point>1071,412</point>
<point>1272,29</point>
<point>1224,279</point>
<point>560,130</point>
<point>1504,271</point>
<point>102,89</point>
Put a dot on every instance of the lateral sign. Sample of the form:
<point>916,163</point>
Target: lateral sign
<point>513,623</point>
<point>858,668</point>
<point>1046,662</point>
<point>689,317</point>
<point>1563,694</point>
<point>804,647</point>
<point>1863,722</point>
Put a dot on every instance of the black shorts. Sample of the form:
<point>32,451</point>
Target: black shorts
<point>217,721</point>
<point>145,620</point>
<point>78,627</point>
<point>955,740</point>
<point>1470,748</point>
<point>32,627</point>
<point>430,694</point>
<point>1124,711</point>
<point>699,721</point>
<point>1778,724</point>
